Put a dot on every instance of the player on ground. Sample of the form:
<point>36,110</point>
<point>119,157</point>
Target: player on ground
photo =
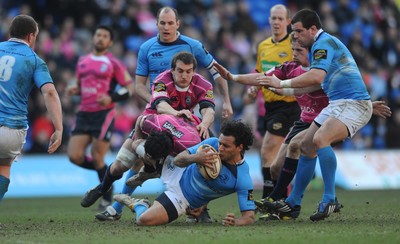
<point>187,189</point>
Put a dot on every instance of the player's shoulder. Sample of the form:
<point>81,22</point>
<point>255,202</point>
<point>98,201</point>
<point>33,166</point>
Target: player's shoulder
<point>190,41</point>
<point>147,44</point>
<point>201,81</point>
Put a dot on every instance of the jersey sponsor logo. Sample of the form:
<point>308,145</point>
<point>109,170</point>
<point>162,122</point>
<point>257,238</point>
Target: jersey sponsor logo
<point>320,54</point>
<point>210,94</point>
<point>156,54</point>
<point>250,195</point>
<point>283,54</point>
<point>159,87</point>
<point>174,131</point>
<point>277,126</point>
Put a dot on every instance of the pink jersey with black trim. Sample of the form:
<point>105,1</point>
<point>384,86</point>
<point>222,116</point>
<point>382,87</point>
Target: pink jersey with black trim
<point>99,75</point>
<point>311,103</point>
<point>183,131</point>
<point>200,91</point>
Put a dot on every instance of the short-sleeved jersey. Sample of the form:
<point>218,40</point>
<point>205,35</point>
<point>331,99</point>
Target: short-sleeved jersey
<point>200,91</point>
<point>184,132</point>
<point>20,69</point>
<point>343,79</point>
<point>99,75</point>
<point>233,178</point>
<point>269,55</point>
<point>155,56</point>
<point>311,103</point>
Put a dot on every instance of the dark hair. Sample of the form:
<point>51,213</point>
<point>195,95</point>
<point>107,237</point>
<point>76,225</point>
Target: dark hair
<point>159,144</point>
<point>107,28</point>
<point>23,25</point>
<point>240,131</point>
<point>166,9</point>
<point>185,57</point>
<point>308,18</point>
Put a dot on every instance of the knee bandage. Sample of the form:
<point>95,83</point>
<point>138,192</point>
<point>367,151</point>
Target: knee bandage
<point>126,157</point>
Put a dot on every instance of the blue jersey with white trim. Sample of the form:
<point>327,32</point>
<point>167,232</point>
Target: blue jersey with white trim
<point>232,178</point>
<point>343,79</point>
<point>155,56</point>
<point>20,69</point>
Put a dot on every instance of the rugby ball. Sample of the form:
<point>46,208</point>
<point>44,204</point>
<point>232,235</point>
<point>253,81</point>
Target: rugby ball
<point>210,173</point>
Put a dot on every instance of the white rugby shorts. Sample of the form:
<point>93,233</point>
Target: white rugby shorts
<point>353,113</point>
<point>11,142</point>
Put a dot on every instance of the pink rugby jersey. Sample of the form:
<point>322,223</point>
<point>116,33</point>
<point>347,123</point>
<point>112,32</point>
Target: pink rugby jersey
<point>99,75</point>
<point>311,103</point>
<point>183,131</point>
<point>200,91</point>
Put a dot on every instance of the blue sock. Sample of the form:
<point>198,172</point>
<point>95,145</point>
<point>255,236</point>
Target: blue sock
<point>304,173</point>
<point>125,190</point>
<point>139,209</point>
<point>327,162</point>
<point>4,182</point>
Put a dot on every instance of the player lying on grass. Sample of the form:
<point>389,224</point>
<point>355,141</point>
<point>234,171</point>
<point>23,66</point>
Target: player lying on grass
<point>188,189</point>
<point>157,136</point>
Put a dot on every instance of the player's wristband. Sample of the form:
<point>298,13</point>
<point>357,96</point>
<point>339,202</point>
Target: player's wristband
<point>286,83</point>
<point>121,95</point>
<point>234,77</point>
<point>288,91</point>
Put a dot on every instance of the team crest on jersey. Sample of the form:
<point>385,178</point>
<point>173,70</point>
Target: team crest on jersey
<point>188,100</point>
<point>103,68</point>
<point>320,54</point>
<point>250,195</point>
<point>283,54</point>
<point>160,87</point>
<point>210,94</point>
<point>277,126</point>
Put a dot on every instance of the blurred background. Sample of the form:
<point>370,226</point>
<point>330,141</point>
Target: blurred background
<point>230,30</point>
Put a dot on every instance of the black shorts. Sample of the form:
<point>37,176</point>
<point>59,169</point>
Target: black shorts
<point>298,127</point>
<point>280,117</point>
<point>169,207</point>
<point>96,124</point>
<point>260,125</point>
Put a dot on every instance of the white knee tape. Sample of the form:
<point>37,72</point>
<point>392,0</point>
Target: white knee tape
<point>126,157</point>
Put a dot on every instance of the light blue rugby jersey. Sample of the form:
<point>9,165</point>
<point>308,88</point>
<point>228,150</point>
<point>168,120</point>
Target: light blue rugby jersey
<point>155,56</point>
<point>343,79</point>
<point>233,178</point>
<point>20,70</point>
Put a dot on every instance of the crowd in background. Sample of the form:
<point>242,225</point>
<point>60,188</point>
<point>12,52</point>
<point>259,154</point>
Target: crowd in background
<point>229,29</point>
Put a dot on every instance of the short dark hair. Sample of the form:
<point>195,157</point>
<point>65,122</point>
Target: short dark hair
<point>185,57</point>
<point>23,25</point>
<point>166,9</point>
<point>240,131</point>
<point>308,18</point>
<point>105,27</point>
<point>159,144</point>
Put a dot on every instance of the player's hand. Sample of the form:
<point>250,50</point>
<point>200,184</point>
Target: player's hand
<point>185,113</point>
<point>73,90</point>
<point>194,212</point>
<point>203,131</point>
<point>229,220</point>
<point>269,81</point>
<point>252,91</point>
<point>104,100</point>
<point>223,72</point>
<point>206,157</point>
<point>380,109</point>
<point>227,110</point>
<point>55,141</point>
<point>278,91</point>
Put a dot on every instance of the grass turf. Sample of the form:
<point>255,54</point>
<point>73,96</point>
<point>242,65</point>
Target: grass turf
<point>367,217</point>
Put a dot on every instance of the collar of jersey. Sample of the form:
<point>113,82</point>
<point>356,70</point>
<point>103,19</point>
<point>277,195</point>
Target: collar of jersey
<point>18,40</point>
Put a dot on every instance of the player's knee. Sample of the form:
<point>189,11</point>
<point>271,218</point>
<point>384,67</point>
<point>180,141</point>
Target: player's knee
<point>294,149</point>
<point>76,158</point>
